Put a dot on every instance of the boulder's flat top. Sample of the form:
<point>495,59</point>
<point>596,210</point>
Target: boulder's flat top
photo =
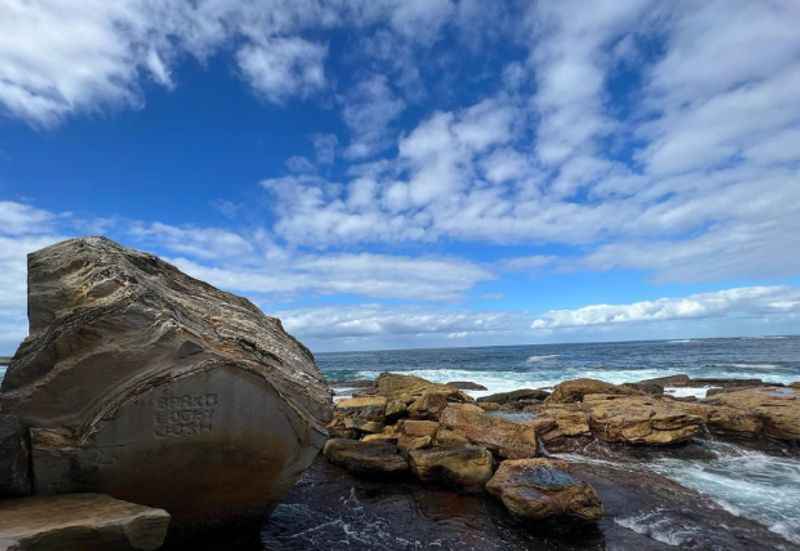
<point>59,516</point>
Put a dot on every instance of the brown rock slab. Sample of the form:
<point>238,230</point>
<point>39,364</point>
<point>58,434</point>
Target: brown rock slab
<point>365,458</point>
<point>15,479</point>
<point>367,413</point>
<point>506,438</point>
<point>467,468</point>
<point>639,419</point>
<point>539,489</point>
<point>85,522</point>
<point>154,387</point>
<point>408,388</point>
<point>777,407</point>
<point>576,389</point>
<point>430,405</point>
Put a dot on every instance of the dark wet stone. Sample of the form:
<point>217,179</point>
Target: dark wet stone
<point>15,479</point>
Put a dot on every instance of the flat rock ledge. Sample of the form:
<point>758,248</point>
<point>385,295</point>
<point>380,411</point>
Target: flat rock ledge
<point>85,522</point>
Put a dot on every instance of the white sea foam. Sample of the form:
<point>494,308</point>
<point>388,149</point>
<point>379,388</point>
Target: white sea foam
<point>682,341</point>
<point>656,524</point>
<point>537,359</point>
<point>685,392</point>
<point>757,367</point>
<point>746,483</point>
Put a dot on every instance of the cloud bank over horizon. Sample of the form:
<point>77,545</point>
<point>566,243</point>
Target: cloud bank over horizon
<point>450,172</point>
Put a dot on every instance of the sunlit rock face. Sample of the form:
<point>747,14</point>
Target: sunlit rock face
<point>144,383</point>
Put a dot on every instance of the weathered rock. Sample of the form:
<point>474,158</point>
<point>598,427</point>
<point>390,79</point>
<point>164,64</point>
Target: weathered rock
<point>395,410</point>
<point>795,385</point>
<point>515,395</point>
<point>446,438</point>
<point>539,489</point>
<point>669,380</point>
<point>467,468</point>
<point>726,420</point>
<point>430,405</point>
<point>416,434</point>
<point>85,522</point>
<point>489,406</point>
<point>466,385</point>
<point>648,388</point>
<point>507,439</point>
<point>365,458</point>
<point>777,407</point>
<point>15,478</point>
<point>161,389</point>
<point>408,388</point>
<point>576,389</point>
<point>639,419</point>
<point>366,413</point>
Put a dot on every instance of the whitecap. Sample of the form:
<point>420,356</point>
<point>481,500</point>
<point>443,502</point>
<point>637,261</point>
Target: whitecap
<point>657,525</point>
<point>536,359</point>
<point>686,392</point>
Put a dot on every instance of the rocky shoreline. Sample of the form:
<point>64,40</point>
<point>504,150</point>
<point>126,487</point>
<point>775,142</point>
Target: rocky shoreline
<point>571,460</point>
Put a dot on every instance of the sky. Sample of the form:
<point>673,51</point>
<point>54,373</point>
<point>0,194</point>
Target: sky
<point>419,173</point>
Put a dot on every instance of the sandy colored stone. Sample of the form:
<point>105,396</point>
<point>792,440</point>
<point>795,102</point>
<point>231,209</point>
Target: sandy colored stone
<point>365,458</point>
<point>80,522</point>
<point>467,468</point>
<point>726,420</point>
<point>406,442</point>
<point>576,389</point>
<point>507,439</point>
<point>414,427</point>
<point>777,407</point>
<point>167,391</point>
<point>639,419</point>
<point>409,388</point>
<point>446,438</point>
<point>430,405</point>
<point>538,489</point>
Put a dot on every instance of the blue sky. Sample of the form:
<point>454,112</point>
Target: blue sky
<point>411,173</point>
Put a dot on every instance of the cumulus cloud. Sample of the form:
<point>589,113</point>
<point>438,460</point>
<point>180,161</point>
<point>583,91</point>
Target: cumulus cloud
<point>744,302</point>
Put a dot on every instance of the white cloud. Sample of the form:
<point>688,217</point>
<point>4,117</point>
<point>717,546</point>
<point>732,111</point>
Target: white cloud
<point>370,320</point>
<point>528,263</point>
<point>282,67</point>
<point>367,110</point>
<point>206,243</point>
<point>366,275</point>
<point>742,302</point>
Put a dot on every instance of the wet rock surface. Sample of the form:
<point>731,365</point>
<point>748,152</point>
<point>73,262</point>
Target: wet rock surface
<point>141,382</point>
<point>330,509</point>
<point>465,469</point>
<point>539,489</point>
<point>366,458</point>
<point>505,438</point>
<point>85,522</point>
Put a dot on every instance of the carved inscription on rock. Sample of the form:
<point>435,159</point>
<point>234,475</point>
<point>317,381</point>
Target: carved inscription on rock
<point>179,416</point>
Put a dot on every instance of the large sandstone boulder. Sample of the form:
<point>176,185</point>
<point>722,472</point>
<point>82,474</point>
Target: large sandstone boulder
<point>505,438</point>
<point>85,522</point>
<point>539,489</point>
<point>467,468</point>
<point>639,419</point>
<point>777,407</point>
<point>576,389</point>
<point>365,458</point>
<point>143,383</point>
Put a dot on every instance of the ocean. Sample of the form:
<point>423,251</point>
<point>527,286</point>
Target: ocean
<point>762,487</point>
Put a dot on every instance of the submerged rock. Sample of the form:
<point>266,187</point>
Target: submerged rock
<point>365,458</point>
<point>144,383</point>
<point>86,522</point>
<point>505,438</point>
<point>467,468</point>
<point>539,489</point>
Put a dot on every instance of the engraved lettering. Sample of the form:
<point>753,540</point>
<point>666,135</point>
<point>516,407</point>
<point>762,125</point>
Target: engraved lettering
<point>185,415</point>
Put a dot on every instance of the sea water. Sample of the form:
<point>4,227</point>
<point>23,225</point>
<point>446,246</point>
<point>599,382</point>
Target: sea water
<point>762,487</point>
